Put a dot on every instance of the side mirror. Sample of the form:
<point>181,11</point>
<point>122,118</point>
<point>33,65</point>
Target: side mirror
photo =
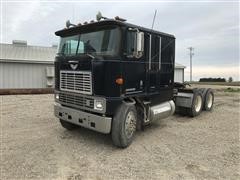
<point>139,44</point>
<point>135,45</point>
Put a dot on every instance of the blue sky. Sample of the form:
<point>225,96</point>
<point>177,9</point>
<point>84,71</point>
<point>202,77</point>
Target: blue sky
<point>212,28</point>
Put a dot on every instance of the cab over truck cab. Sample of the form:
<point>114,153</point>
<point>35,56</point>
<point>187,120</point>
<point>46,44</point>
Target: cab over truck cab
<point>115,77</point>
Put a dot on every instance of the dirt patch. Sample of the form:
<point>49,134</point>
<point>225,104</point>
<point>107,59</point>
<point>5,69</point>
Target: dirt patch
<point>35,146</point>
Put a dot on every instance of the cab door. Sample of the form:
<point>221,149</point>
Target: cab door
<point>133,67</point>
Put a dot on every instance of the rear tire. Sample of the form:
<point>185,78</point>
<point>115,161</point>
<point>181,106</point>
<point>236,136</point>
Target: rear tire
<point>197,104</point>
<point>67,125</point>
<point>124,125</point>
<point>208,100</point>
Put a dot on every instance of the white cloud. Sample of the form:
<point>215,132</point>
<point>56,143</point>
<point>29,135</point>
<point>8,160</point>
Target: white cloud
<point>20,20</point>
<point>212,28</point>
<point>17,15</point>
<point>214,72</point>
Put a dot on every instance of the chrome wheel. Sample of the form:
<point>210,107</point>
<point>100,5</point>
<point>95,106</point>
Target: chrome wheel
<point>198,103</point>
<point>209,100</point>
<point>130,124</point>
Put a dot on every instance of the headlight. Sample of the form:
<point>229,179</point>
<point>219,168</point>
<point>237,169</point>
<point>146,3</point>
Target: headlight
<point>98,105</point>
<point>57,96</point>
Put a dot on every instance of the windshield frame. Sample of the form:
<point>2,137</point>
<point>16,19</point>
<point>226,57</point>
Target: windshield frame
<point>116,53</point>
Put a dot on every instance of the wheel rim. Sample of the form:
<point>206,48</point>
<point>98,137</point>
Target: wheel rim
<point>198,103</point>
<point>209,100</point>
<point>130,124</point>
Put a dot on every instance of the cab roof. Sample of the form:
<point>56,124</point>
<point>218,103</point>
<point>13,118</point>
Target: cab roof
<point>106,22</point>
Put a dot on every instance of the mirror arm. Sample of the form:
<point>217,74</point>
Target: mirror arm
<point>133,29</point>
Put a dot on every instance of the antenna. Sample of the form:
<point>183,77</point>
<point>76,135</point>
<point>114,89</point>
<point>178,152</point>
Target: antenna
<point>154,18</point>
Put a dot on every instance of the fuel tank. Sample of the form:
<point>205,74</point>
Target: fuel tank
<point>162,110</point>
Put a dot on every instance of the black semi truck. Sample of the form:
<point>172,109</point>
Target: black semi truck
<point>115,77</point>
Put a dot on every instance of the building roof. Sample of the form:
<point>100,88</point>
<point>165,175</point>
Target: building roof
<point>180,66</point>
<point>19,51</point>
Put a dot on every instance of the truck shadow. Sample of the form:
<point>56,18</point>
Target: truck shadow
<point>91,138</point>
<point>182,118</point>
<point>155,125</point>
<point>83,135</point>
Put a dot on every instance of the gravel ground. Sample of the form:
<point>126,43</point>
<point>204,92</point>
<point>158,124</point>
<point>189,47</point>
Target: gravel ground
<point>35,146</point>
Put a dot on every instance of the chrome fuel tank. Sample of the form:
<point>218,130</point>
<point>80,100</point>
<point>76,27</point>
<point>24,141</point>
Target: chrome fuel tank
<point>162,110</point>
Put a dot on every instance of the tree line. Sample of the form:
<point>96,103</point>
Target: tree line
<point>215,79</point>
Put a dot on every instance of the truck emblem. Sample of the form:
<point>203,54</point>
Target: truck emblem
<point>73,64</point>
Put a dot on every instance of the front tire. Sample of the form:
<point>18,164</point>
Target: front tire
<point>124,125</point>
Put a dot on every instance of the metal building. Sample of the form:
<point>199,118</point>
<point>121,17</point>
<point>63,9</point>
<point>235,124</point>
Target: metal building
<point>179,73</point>
<point>29,67</point>
<point>23,66</point>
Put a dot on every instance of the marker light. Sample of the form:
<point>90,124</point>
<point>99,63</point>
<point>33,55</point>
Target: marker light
<point>119,81</point>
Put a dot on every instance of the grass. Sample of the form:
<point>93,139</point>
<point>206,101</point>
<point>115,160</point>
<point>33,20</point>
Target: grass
<point>235,90</point>
<point>236,83</point>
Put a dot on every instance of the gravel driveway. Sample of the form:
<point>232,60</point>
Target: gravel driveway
<point>35,146</point>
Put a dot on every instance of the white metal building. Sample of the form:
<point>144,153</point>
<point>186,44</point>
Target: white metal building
<point>179,73</point>
<point>27,67</point>
<point>23,66</point>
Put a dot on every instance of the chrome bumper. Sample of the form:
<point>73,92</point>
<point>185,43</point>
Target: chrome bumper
<point>91,121</point>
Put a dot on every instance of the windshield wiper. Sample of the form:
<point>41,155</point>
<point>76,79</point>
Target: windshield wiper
<point>90,55</point>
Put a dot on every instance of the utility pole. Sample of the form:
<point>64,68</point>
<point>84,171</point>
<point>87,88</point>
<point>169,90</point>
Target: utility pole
<point>191,55</point>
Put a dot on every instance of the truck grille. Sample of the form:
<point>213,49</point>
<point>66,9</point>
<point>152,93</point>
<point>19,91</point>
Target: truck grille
<point>76,101</point>
<point>76,81</point>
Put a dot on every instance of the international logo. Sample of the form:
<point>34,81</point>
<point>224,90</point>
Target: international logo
<point>73,64</point>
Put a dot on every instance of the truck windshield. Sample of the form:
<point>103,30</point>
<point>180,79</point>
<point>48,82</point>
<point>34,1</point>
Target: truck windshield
<point>102,42</point>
